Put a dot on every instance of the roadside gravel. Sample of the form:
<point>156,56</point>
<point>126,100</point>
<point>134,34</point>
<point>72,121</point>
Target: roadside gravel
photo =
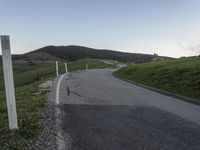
<point>46,140</point>
<point>47,136</point>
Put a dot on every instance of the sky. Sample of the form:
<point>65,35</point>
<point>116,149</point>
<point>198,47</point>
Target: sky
<point>166,27</point>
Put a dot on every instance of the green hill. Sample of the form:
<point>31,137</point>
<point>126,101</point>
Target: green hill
<point>72,53</point>
<point>179,76</point>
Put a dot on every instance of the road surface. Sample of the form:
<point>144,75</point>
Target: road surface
<point>105,113</point>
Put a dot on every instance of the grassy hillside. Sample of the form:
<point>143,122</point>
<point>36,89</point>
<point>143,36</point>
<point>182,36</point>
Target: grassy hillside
<point>25,74</point>
<point>72,53</point>
<point>180,76</point>
<point>29,104</point>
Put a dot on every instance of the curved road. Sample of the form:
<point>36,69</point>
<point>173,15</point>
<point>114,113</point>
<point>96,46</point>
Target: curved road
<point>105,113</point>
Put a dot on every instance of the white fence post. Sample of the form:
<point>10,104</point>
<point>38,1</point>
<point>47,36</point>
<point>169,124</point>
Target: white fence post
<point>9,83</point>
<point>86,67</point>
<point>66,69</point>
<point>57,68</point>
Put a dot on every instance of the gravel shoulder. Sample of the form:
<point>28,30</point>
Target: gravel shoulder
<point>49,127</point>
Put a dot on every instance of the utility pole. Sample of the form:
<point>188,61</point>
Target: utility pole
<point>9,83</point>
<point>57,68</point>
<point>66,69</point>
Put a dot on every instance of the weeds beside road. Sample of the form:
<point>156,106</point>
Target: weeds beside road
<point>28,110</point>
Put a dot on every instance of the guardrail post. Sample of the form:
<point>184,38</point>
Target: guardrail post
<point>66,69</point>
<point>57,68</point>
<point>86,67</point>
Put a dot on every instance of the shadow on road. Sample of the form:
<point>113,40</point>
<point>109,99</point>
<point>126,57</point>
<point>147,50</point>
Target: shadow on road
<point>114,127</point>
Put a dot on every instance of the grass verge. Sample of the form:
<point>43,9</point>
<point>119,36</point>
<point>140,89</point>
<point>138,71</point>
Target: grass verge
<point>180,76</point>
<point>29,114</point>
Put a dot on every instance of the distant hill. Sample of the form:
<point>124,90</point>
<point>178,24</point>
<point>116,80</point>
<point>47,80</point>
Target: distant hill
<point>77,52</point>
<point>72,53</point>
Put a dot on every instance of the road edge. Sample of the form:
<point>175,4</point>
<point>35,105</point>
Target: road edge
<point>60,136</point>
<point>179,97</point>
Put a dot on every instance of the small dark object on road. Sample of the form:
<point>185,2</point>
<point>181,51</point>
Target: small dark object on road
<point>68,92</point>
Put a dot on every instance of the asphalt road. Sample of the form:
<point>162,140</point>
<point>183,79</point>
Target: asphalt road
<point>105,113</point>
